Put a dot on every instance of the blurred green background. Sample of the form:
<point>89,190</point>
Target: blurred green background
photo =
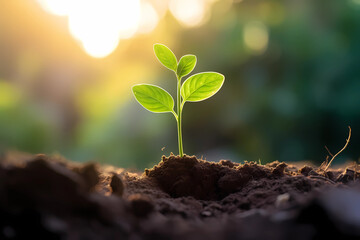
<point>292,83</point>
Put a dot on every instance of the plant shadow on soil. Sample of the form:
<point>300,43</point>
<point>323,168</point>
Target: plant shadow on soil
<point>179,198</point>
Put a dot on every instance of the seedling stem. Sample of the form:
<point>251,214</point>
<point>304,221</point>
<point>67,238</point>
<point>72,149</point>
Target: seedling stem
<point>179,116</point>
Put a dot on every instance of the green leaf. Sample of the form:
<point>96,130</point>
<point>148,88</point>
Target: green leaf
<point>186,65</point>
<point>201,86</point>
<point>165,56</point>
<point>153,98</point>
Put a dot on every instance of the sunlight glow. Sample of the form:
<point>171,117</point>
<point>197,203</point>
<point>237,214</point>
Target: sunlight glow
<point>56,7</point>
<point>101,46</point>
<point>99,24</point>
<point>161,6</point>
<point>191,13</point>
<point>256,36</point>
<point>149,18</point>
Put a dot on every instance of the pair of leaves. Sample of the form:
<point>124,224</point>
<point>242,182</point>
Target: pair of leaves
<point>196,88</point>
<point>168,59</point>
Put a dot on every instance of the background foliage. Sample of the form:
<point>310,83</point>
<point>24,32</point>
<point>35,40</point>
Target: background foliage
<point>292,85</point>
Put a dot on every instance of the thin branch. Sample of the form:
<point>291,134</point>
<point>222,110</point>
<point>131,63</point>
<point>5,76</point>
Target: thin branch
<point>347,142</point>
<point>323,164</point>
<point>323,178</point>
<point>328,151</point>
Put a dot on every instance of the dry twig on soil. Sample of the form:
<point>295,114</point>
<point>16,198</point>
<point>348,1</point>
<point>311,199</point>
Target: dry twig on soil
<point>334,156</point>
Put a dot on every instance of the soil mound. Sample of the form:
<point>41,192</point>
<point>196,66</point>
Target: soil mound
<point>203,180</point>
<point>189,176</point>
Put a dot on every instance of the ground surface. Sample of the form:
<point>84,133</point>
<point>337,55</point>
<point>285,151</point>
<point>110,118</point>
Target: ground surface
<point>180,198</point>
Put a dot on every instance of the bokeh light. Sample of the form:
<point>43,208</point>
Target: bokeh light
<point>149,18</point>
<point>56,7</point>
<point>161,6</point>
<point>256,36</point>
<point>188,12</point>
<point>100,24</point>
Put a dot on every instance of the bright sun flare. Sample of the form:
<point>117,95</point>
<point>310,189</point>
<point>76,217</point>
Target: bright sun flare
<point>99,25</point>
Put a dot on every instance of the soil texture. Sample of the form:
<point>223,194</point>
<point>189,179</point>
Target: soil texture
<point>45,197</point>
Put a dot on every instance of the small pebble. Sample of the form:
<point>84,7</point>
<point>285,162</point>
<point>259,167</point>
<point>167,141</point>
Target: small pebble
<point>206,214</point>
<point>282,199</point>
<point>116,185</point>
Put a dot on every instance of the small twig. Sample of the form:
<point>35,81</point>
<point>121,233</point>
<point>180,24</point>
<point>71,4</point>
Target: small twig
<point>323,178</point>
<point>328,151</point>
<point>323,164</point>
<point>333,157</point>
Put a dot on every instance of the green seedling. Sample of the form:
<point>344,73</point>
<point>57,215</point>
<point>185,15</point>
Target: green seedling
<point>196,88</point>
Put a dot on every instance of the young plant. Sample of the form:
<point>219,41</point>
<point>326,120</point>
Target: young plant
<point>196,88</point>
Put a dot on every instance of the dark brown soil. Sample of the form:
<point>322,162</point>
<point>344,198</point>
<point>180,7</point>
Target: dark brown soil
<point>180,198</point>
